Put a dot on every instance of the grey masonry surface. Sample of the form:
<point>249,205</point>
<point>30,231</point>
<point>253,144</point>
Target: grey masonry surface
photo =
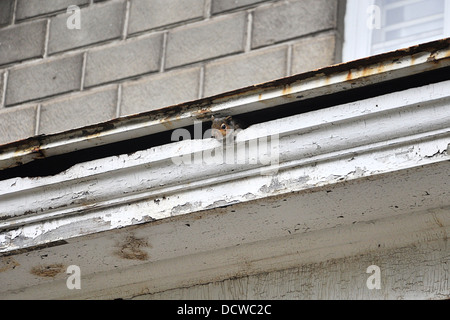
<point>2,75</point>
<point>150,14</point>
<point>78,111</point>
<point>101,23</point>
<point>17,123</point>
<point>26,8</point>
<point>200,41</point>
<point>237,72</point>
<point>6,11</point>
<point>44,79</point>
<point>133,56</point>
<point>305,57</point>
<point>283,21</point>
<point>219,6</point>
<point>157,91</point>
<point>22,42</point>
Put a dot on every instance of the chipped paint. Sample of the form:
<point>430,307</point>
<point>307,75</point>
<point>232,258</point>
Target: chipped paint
<point>343,143</point>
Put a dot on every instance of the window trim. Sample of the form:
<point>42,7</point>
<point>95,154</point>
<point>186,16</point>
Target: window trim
<point>358,38</point>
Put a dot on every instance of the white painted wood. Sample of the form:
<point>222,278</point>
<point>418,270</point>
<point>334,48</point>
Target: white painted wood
<point>343,143</point>
<point>393,224</point>
<point>414,272</point>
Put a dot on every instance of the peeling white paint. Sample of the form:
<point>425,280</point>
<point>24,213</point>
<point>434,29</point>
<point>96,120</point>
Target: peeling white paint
<point>316,149</point>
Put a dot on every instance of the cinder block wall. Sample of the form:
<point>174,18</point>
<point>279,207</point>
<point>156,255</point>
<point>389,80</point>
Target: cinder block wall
<point>138,55</point>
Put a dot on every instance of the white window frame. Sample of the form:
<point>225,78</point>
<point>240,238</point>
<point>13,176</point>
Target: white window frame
<point>358,37</point>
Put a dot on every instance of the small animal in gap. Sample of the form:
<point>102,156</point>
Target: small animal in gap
<point>225,127</point>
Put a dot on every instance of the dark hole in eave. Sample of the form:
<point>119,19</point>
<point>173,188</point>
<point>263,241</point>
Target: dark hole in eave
<point>56,164</point>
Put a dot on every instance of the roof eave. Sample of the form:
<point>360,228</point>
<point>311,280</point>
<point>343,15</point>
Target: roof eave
<point>324,81</point>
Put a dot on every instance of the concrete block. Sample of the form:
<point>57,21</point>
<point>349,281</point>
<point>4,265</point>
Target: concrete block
<point>1,89</point>
<point>98,23</point>
<point>46,78</point>
<point>78,110</point>
<point>150,14</point>
<point>26,8</point>
<point>161,90</point>
<point>23,41</point>
<point>313,53</point>
<point>6,11</point>
<point>218,6</point>
<point>206,40</point>
<point>245,70</point>
<point>127,59</point>
<point>289,20</point>
<point>17,123</point>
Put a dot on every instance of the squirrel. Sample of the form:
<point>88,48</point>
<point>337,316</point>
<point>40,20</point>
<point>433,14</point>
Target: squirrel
<point>225,127</point>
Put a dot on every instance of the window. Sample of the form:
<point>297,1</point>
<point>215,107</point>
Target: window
<point>376,26</point>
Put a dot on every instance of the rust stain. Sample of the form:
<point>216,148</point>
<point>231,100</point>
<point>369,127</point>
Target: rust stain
<point>447,54</point>
<point>95,132</point>
<point>48,271</point>
<point>286,90</point>
<point>94,135</point>
<point>132,249</point>
<point>260,97</point>
<point>349,75</point>
<point>435,53</point>
<point>367,71</point>
<point>36,149</point>
<point>33,149</point>
<point>204,113</point>
<point>167,123</point>
<point>431,58</point>
<point>381,68</point>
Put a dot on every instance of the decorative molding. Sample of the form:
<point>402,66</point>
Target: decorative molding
<point>378,135</point>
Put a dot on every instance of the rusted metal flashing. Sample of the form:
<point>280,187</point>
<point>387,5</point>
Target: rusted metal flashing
<point>332,79</point>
